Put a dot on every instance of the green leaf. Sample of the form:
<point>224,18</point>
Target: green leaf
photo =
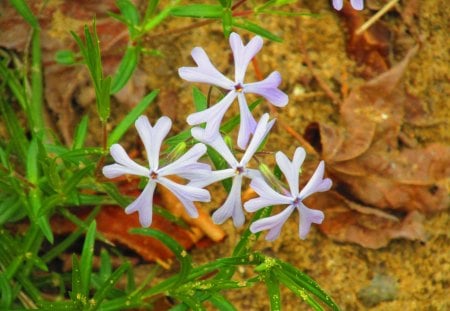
<point>86,259</point>
<point>101,293</point>
<point>273,290</point>
<point>126,68</point>
<point>131,117</point>
<point>257,30</point>
<point>24,10</point>
<point>183,257</point>
<point>200,100</point>
<point>44,225</point>
<point>77,292</point>
<point>80,133</point>
<point>65,57</point>
<point>16,133</point>
<point>32,164</point>
<point>6,293</point>
<point>130,12</point>
<point>227,22</point>
<point>74,180</point>
<point>303,282</point>
<point>155,21</point>
<point>198,11</point>
<point>105,265</point>
<point>221,303</point>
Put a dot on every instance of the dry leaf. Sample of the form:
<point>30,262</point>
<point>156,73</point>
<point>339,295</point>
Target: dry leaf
<point>373,169</point>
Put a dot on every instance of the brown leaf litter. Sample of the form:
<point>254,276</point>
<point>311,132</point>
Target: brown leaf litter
<point>383,184</point>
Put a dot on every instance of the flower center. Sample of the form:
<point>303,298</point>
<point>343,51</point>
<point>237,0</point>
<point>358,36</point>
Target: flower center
<point>153,175</point>
<point>239,170</point>
<point>239,88</point>
<point>296,202</point>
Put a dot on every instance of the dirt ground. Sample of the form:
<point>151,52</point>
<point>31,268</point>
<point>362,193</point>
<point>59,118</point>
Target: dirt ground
<point>418,272</point>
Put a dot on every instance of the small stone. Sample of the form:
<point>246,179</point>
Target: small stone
<point>381,288</point>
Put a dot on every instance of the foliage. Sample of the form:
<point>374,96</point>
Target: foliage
<point>41,178</point>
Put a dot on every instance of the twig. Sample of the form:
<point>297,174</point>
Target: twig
<point>376,17</point>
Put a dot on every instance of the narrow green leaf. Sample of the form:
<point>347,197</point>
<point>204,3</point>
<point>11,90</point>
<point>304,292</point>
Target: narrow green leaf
<point>6,293</point>
<point>183,257</point>
<point>77,292</point>
<point>221,303</point>
<point>105,265</point>
<point>44,225</point>
<point>74,180</point>
<point>200,100</point>
<point>256,29</point>
<point>103,99</point>
<point>24,10</point>
<point>129,11</point>
<point>131,117</point>
<point>32,164</point>
<point>102,292</point>
<point>86,259</point>
<point>65,57</point>
<point>126,68</point>
<point>273,291</point>
<point>15,130</point>
<point>80,133</point>
<point>227,22</point>
<point>198,11</point>
<point>151,23</point>
<point>14,85</point>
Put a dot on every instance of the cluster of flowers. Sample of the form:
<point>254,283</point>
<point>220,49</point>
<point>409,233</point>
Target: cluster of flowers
<point>356,4</point>
<point>250,137</point>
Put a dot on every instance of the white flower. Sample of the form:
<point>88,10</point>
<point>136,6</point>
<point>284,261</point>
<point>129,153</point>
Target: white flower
<point>293,198</point>
<point>186,166</point>
<point>207,73</point>
<point>238,169</point>
<point>356,4</point>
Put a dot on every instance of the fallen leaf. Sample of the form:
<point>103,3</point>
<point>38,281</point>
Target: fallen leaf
<point>372,168</point>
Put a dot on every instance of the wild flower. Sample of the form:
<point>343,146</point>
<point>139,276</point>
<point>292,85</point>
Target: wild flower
<point>356,4</point>
<point>207,73</point>
<point>293,198</point>
<point>232,207</point>
<point>185,166</point>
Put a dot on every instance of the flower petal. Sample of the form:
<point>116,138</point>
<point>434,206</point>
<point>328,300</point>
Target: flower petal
<point>212,116</point>
<point>186,194</point>
<point>268,88</point>
<point>232,207</point>
<point>316,183</point>
<point>247,124</point>
<point>212,177</point>
<point>267,196</point>
<point>205,72</point>
<point>218,144</point>
<point>144,205</point>
<point>291,169</point>
<point>308,216</point>
<point>262,129</point>
<point>121,157</point>
<point>185,162</point>
<point>152,137</point>
<point>337,4</point>
<point>243,54</point>
<point>272,223</point>
<point>357,4</point>
<point>116,170</point>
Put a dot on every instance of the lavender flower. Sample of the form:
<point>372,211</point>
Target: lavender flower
<point>207,73</point>
<point>186,166</point>
<point>233,204</point>
<point>356,4</point>
<point>292,198</point>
